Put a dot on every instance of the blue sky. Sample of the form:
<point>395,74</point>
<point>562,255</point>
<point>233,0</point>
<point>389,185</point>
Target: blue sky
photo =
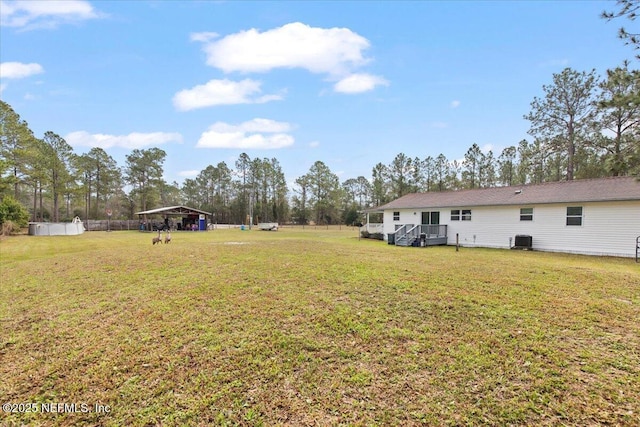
<point>351,84</point>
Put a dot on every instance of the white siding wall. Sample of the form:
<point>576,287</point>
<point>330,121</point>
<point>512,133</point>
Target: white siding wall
<point>607,228</point>
<point>406,217</point>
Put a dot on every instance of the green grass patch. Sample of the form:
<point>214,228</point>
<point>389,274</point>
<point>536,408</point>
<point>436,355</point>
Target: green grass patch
<point>314,327</point>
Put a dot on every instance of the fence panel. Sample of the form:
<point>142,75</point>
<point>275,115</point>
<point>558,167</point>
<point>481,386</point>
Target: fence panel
<point>113,225</point>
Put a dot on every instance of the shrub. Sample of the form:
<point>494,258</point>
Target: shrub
<point>13,215</point>
<point>9,227</point>
<point>366,235</point>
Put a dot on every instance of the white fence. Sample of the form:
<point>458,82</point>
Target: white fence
<point>372,228</point>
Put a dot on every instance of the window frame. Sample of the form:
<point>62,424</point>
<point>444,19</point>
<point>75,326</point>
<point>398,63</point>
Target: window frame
<point>574,219</point>
<point>526,216</point>
<point>465,215</point>
<point>455,214</point>
<point>396,215</point>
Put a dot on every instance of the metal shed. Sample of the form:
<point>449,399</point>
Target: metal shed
<point>191,218</point>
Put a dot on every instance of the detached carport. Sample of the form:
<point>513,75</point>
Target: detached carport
<point>192,219</point>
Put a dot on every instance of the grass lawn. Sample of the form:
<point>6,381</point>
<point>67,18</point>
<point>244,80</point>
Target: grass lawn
<point>312,327</point>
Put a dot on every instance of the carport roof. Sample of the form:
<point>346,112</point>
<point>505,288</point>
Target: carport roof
<point>174,210</point>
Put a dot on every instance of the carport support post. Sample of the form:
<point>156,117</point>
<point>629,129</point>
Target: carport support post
<point>457,242</point>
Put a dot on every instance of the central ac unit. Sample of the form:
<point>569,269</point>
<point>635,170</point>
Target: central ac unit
<point>523,242</point>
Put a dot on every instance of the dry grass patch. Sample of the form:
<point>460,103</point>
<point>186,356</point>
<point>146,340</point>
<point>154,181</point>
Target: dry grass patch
<point>314,327</point>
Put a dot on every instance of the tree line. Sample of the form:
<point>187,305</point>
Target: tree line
<point>581,127</point>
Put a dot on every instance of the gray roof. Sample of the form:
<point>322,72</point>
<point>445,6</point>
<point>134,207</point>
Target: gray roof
<point>174,210</point>
<point>577,191</point>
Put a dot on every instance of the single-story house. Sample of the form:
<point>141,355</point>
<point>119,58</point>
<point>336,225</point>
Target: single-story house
<point>592,216</point>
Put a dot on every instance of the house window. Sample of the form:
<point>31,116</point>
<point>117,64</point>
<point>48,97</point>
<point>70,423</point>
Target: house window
<point>430,218</point>
<point>526,214</point>
<point>461,215</point>
<point>396,216</point>
<point>574,215</point>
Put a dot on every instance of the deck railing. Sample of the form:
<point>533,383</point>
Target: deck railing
<point>372,228</point>
<point>401,231</point>
<point>413,233</point>
<point>435,230</point>
<point>406,235</point>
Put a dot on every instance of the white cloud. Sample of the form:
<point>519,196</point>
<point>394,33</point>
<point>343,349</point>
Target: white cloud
<point>19,70</point>
<point>203,37</point>
<point>130,141</point>
<point>44,13</point>
<point>240,140</point>
<point>455,104</point>
<point>333,51</point>
<point>358,83</point>
<point>253,125</point>
<point>265,125</point>
<point>189,173</point>
<point>222,92</point>
<point>258,133</point>
<point>314,144</point>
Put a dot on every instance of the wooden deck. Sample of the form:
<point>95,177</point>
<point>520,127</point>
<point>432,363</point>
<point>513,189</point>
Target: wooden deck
<point>420,235</point>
